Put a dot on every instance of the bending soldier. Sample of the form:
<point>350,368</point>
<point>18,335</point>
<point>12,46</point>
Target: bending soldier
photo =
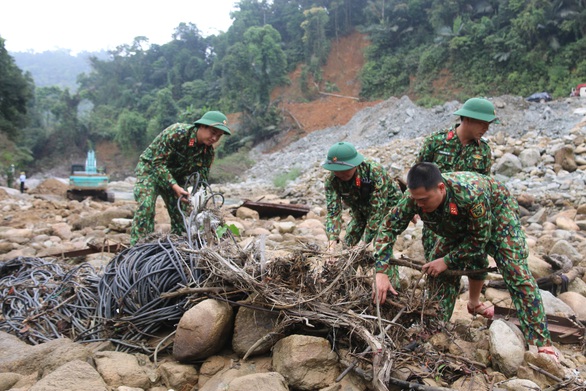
<point>177,152</point>
<point>472,215</point>
<point>361,184</point>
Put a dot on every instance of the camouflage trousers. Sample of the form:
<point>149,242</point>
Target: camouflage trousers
<point>355,229</point>
<point>510,254</point>
<point>428,239</point>
<point>146,191</point>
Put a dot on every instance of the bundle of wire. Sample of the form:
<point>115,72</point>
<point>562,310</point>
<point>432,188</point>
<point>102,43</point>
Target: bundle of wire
<point>130,302</point>
<point>42,301</point>
<point>130,290</point>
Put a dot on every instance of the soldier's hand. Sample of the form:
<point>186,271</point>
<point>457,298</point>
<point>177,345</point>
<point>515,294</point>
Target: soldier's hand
<point>435,268</point>
<point>181,193</point>
<point>383,286</point>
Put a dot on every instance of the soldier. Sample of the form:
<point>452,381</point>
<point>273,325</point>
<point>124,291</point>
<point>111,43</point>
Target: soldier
<point>361,184</point>
<point>177,152</point>
<point>473,215</point>
<point>460,148</point>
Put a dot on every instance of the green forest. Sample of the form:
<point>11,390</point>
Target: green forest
<point>488,47</point>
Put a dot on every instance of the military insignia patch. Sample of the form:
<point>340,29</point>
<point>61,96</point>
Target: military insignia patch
<point>478,211</point>
<point>478,157</point>
<point>191,142</point>
<point>453,209</point>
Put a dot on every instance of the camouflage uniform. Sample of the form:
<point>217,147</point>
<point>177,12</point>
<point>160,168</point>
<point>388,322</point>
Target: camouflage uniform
<point>445,150</point>
<point>172,157</point>
<point>478,217</point>
<point>366,216</point>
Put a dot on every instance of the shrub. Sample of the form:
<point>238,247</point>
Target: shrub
<point>280,181</point>
<point>227,169</point>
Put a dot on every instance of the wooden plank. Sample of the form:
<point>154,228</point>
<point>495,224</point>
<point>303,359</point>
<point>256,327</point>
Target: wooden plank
<point>562,330</point>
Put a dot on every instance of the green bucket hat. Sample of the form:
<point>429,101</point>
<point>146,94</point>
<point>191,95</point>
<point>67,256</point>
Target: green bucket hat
<point>342,156</point>
<point>215,119</point>
<point>480,109</point>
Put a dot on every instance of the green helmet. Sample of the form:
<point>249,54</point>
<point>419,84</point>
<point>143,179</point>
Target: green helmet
<point>215,119</point>
<point>342,156</point>
<point>478,108</point>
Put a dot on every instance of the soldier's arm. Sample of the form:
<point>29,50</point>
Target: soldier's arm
<point>427,151</point>
<point>379,202</point>
<point>394,223</point>
<point>162,147</point>
<point>487,158</point>
<point>334,212</point>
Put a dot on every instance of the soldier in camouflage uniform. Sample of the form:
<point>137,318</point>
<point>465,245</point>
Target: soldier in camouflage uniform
<point>177,152</point>
<point>460,148</point>
<point>362,185</point>
<point>473,215</point>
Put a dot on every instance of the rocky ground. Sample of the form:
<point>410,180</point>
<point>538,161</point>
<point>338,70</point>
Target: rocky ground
<point>539,151</point>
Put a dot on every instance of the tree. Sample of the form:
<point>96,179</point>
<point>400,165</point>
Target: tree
<point>16,90</point>
<point>131,131</point>
<point>250,71</point>
<point>252,68</point>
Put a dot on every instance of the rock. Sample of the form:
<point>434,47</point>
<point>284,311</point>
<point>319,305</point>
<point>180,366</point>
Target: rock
<point>74,375</point>
<point>554,306</point>
<point>563,247</point>
<point>124,369</point>
<point>576,302</point>
<point>529,157</point>
<point>250,327</point>
<point>566,224</point>
<point>62,230</point>
<point>566,159</point>
<point>245,213</point>
<point>519,385</point>
<point>285,227</point>
<point>508,165</point>
<point>218,373</point>
<point>26,359</point>
<point>507,346</point>
<point>308,363</point>
<point>203,330</point>
<point>120,224</point>
<point>176,375</point>
<point>270,381</point>
<point>9,379</point>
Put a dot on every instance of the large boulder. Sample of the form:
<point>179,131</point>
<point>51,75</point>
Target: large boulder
<point>203,331</point>
<point>308,363</point>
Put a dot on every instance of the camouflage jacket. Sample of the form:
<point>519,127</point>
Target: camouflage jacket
<point>385,193</point>
<point>445,150</point>
<point>174,155</point>
<point>478,215</point>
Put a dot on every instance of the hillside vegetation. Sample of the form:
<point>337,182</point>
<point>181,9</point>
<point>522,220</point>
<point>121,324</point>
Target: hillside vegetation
<point>431,51</point>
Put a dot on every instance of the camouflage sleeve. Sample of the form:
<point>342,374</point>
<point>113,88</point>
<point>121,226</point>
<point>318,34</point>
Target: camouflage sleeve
<point>162,147</point>
<point>486,159</point>
<point>393,225</point>
<point>378,202</point>
<point>207,160</point>
<point>386,195</point>
<point>472,249</point>
<point>334,211</point>
<point>426,152</point>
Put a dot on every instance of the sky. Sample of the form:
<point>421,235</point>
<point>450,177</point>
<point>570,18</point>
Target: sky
<point>81,25</point>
